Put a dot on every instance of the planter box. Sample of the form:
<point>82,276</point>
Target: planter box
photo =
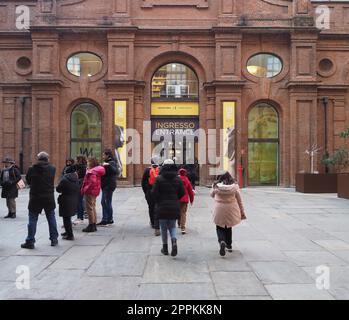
<point>316,183</point>
<point>343,185</point>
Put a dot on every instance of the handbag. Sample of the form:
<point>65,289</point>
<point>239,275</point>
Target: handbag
<point>20,184</point>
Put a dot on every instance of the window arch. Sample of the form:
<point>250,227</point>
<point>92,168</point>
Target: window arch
<point>175,81</point>
<point>263,145</point>
<point>86,131</point>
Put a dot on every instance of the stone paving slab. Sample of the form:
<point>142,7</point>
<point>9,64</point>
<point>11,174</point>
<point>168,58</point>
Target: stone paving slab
<point>276,252</point>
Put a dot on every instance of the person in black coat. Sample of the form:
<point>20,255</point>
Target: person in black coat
<point>69,167</point>
<point>108,184</point>
<point>41,177</point>
<point>81,167</point>
<point>9,178</point>
<point>68,200</point>
<point>147,188</point>
<point>167,192</point>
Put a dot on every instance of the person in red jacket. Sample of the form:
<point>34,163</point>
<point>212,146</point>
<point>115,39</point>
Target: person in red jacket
<point>91,188</point>
<point>189,196</point>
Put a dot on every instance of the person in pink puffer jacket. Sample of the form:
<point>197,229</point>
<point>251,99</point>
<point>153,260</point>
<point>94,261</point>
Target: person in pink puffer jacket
<point>91,188</point>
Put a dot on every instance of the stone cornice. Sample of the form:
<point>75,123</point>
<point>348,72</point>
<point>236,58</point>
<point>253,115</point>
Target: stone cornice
<point>222,83</point>
<point>128,83</point>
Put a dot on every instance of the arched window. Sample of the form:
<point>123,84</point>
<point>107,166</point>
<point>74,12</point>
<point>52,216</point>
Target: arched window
<point>86,131</point>
<point>175,81</point>
<point>263,145</point>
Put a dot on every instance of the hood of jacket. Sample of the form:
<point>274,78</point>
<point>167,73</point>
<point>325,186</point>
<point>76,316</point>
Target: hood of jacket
<point>41,164</point>
<point>183,172</point>
<point>227,188</point>
<point>72,177</point>
<point>99,171</point>
<point>169,172</point>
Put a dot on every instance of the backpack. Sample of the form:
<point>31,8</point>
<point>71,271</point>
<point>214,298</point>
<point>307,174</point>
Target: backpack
<point>154,172</point>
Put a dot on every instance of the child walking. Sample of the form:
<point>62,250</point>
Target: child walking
<point>189,196</point>
<point>228,210</point>
<point>91,188</point>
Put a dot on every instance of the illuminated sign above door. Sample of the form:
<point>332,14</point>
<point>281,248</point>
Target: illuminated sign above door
<point>175,109</point>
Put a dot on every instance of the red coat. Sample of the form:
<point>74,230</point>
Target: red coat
<point>92,181</point>
<point>189,194</point>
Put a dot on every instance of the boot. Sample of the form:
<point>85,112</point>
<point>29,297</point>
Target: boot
<point>90,228</point>
<point>174,248</point>
<point>11,216</point>
<point>164,249</point>
<point>223,245</point>
<point>68,237</point>
<point>28,245</point>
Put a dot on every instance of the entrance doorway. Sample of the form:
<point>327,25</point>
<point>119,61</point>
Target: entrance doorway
<point>263,146</point>
<point>175,114</point>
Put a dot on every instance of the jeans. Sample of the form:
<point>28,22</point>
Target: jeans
<point>169,225</point>
<point>225,234</point>
<point>81,207</point>
<point>107,205</point>
<point>33,221</point>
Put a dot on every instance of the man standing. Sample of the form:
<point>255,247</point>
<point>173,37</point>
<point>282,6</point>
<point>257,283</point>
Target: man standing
<point>148,180</point>
<point>10,176</point>
<point>41,178</point>
<point>112,171</point>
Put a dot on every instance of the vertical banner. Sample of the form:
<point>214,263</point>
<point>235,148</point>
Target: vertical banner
<point>229,136</point>
<point>120,134</point>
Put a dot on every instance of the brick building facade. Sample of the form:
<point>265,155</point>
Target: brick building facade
<point>266,58</point>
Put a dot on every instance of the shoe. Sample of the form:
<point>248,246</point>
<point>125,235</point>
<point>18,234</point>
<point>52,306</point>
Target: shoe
<point>102,224</point>
<point>28,245</point>
<point>164,249</point>
<point>54,243</point>
<point>222,249</point>
<point>64,234</point>
<point>68,238</point>
<point>90,228</point>
<point>157,232</point>
<point>110,223</point>
<point>183,231</point>
<point>174,251</point>
<point>229,249</point>
<point>10,216</point>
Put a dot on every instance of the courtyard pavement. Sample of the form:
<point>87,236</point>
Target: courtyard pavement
<point>276,253</point>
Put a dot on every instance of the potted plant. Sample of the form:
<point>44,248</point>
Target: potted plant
<point>339,160</point>
<point>315,182</point>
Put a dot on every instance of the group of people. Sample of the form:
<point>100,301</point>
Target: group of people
<point>167,189</point>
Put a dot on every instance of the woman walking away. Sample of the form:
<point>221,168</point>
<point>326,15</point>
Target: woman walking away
<point>189,196</point>
<point>69,167</point>
<point>91,188</point>
<point>228,211</point>
<point>9,178</point>
<point>167,191</point>
<point>68,201</point>
<point>81,167</point>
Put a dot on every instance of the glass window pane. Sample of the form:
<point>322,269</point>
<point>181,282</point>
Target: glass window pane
<point>86,122</point>
<point>88,149</point>
<point>175,81</point>
<point>263,123</point>
<point>264,65</point>
<point>263,163</point>
<point>84,64</point>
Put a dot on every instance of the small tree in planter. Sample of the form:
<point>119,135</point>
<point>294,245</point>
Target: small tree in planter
<point>339,160</point>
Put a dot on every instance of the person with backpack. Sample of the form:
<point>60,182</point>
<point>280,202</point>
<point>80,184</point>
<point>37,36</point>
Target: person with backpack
<point>81,167</point>
<point>112,172</point>
<point>91,188</point>
<point>228,211</point>
<point>148,180</point>
<point>188,197</point>
<point>9,178</point>
<point>167,191</point>
<point>68,200</point>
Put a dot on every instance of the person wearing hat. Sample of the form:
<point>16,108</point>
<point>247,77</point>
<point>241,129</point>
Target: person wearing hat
<point>41,179</point>
<point>167,192</point>
<point>149,176</point>
<point>9,178</point>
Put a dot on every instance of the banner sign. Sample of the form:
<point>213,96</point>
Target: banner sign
<point>229,136</point>
<point>174,127</point>
<point>175,109</point>
<point>120,133</point>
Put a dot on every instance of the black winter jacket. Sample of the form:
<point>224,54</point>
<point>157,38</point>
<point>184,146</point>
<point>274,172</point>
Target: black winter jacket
<point>68,199</point>
<point>41,179</point>
<point>111,174</point>
<point>167,191</point>
<point>9,188</point>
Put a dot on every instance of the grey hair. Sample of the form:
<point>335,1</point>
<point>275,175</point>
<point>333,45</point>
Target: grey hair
<point>43,155</point>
